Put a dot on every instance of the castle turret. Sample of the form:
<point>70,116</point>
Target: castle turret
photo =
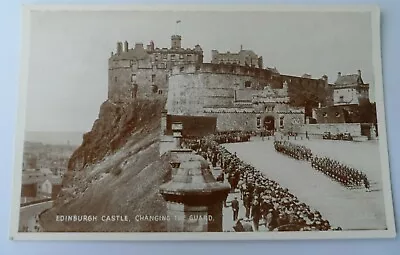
<point>119,48</point>
<point>260,62</point>
<point>126,45</point>
<point>150,46</point>
<point>176,41</point>
<point>359,79</point>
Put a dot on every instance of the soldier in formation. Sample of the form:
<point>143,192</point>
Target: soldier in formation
<point>293,150</point>
<point>265,201</point>
<point>345,175</point>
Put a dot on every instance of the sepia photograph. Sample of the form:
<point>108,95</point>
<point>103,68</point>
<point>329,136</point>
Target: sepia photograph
<point>166,122</point>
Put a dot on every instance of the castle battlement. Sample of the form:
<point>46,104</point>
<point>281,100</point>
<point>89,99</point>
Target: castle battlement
<point>224,69</point>
<point>123,50</point>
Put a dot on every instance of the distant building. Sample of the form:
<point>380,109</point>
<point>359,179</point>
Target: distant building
<point>242,58</point>
<point>39,184</point>
<point>29,161</point>
<point>349,89</point>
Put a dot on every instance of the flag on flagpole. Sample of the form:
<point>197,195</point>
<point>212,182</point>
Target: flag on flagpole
<point>178,21</point>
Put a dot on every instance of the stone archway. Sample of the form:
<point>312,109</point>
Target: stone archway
<point>269,124</point>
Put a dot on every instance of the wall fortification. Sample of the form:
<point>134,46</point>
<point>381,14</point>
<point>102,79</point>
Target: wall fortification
<point>225,69</point>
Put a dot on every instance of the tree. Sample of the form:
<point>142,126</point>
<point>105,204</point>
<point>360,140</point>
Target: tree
<point>309,94</point>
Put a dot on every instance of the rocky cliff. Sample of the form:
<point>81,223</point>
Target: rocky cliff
<point>113,128</point>
<point>115,172</point>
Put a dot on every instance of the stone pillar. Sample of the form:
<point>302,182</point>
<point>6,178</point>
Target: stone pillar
<point>175,164</point>
<point>372,132</point>
<point>163,122</point>
<point>194,198</point>
<point>177,128</point>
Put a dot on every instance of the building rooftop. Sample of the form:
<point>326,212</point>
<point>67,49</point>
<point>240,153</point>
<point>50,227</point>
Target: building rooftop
<point>349,79</point>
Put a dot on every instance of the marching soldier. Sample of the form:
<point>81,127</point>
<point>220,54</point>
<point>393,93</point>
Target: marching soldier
<point>235,208</point>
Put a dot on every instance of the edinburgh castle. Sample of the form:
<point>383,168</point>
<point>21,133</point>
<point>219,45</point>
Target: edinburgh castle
<point>232,92</point>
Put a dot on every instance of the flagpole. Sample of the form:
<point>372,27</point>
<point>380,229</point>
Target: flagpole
<point>176,26</point>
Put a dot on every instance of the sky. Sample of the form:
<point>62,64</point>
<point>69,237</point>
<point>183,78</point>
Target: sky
<point>69,51</point>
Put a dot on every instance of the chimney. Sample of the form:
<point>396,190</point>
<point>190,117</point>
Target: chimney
<point>150,47</point>
<point>126,46</point>
<point>119,48</point>
<point>325,78</point>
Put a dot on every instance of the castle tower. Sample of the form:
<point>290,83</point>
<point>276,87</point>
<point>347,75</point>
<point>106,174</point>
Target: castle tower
<point>176,42</point>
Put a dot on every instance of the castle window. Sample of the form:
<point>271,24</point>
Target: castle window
<point>160,91</point>
<point>281,122</point>
<point>247,84</point>
<point>164,57</point>
<point>197,67</point>
<point>180,56</point>
<point>341,98</point>
<point>181,68</point>
<point>172,57</point>
<point>325,115</point>
<point>153,77</point>
<point>337,114</point>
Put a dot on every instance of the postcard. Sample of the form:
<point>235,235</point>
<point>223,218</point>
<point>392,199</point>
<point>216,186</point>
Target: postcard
<point>197,122</point>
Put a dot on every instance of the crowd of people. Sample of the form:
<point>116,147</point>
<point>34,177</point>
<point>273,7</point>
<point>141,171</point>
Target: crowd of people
<point>347,176</point>
<point>265,202</point>
<point>231,137</point>
<point>293,150</point>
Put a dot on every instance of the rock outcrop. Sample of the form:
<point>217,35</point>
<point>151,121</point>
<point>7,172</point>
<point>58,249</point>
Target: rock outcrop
<point>115,124</point>
<point>115,172</point>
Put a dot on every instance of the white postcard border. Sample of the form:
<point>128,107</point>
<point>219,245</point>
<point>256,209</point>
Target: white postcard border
<point>379,98</point>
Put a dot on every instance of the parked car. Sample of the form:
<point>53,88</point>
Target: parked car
<point>327,135</point>
<point>347,137</point>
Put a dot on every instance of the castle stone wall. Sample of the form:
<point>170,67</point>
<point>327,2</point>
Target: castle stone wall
<point>124,74</point>
<point>193,87</point>
<point>319,129</point>
<point>236,121</point>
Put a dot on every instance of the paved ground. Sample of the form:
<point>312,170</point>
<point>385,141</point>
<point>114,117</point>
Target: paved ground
<point>349,209</point>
